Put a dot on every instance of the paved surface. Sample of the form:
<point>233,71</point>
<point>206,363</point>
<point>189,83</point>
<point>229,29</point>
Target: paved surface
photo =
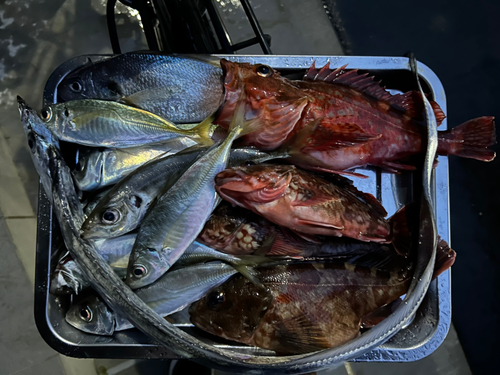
<point>35,37</point>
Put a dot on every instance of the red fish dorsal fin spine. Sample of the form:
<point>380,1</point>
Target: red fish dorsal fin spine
<point>409,103</point>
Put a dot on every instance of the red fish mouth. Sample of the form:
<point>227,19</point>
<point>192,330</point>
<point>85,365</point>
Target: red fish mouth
<point>229,70</point>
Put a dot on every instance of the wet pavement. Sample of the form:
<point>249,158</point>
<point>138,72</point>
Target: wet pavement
<point>36,37</point>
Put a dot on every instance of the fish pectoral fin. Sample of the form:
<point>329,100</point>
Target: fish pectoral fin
<point>344,173</point>
<point>327,136</point>
<point>312,238</point>
<point>312,223</point>
<point>395,167</point>
<point>300,334</point>
<point>152,95</point>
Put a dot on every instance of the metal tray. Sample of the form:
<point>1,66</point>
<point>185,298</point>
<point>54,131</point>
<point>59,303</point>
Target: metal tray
<point>419,339</point>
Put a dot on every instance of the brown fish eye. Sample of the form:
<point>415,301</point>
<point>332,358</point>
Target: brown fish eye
<point>264,71</point>
<point>76,86</point>
<point>110,216</point>
<point>46,114</point>
<point>86,314</point>
<point>215,299</point>
<point>140,271</point>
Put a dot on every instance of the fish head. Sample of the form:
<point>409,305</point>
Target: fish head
<point>146,265</point>
<point>254,184</point>
<point>269,99</point>
<point>114,215</point>
<point>91,315</point>
<point>232,310</point>
<point>66,277</point>
<point>89,83</point>
<point>40,142</point>
<point>88,172</point>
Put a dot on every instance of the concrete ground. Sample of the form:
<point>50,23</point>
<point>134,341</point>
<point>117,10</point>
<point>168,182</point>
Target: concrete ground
<point>35,37</point>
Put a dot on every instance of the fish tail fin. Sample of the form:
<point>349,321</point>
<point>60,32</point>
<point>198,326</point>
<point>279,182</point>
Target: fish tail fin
<point>401,232</point>
<point>470,140</point>
<point>204,131</point>
<point>445,257</point>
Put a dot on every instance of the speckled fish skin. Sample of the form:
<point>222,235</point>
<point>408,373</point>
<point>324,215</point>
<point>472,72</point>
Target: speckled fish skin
<point>306,307</point>
<point>179,88</point>
<point>238,231</point>
<point>96,169</point>
<point>171,293</point>
<point>100,123</point>
<point>130,198</point>
<point>305,203</point>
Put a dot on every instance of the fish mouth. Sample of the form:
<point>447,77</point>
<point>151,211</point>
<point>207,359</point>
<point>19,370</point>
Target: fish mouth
<point>237,180</point>
<point>229,73</point>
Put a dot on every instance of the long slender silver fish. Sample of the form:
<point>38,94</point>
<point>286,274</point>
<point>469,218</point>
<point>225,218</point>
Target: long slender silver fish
<point>179,88</point>
<point>178,215</point>
<point>100,123</point>
<point>123,208</point>
<point>169,294</point>
<point>96,169</point>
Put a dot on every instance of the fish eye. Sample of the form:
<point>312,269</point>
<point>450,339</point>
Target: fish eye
<point>215,299</point>
<point>110,216</point>
<point>264,71</point>
<point>31,142</point>
<point>140,271</point>
<point>66,112</point>
<point>76,86</point>
<point>86,314</point>
<point>46,114</point>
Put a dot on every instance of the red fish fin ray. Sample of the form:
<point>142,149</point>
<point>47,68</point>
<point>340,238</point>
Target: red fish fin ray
<point>351,78</point>
<point>345,173</point>
<point>324,138</point>
<point>470,140</point>
<point>319,224</point>
<point>375,317</point>
<point>287,117</point>
<point>445,257</point>
<point>300,334</point>
<point>310,238</point>
<point>395,167</point>
<point>287,243</point>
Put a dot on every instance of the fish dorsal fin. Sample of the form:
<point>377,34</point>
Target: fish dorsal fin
<point>352,78</point>
<point>410,102</point>
<point>300,334</point>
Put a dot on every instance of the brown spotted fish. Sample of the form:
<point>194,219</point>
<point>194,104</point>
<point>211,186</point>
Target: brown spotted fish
<point>304,307</point>
<point>310,205</point>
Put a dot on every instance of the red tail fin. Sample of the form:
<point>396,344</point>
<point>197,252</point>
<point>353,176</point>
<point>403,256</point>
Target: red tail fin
<point>470,140</point>
<point>445,257</point>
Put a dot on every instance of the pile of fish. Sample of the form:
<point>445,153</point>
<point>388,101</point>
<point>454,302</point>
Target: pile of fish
<point>217,185</point>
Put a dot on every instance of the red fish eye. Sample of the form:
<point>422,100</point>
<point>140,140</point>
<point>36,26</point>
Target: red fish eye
<point>264,71</point>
